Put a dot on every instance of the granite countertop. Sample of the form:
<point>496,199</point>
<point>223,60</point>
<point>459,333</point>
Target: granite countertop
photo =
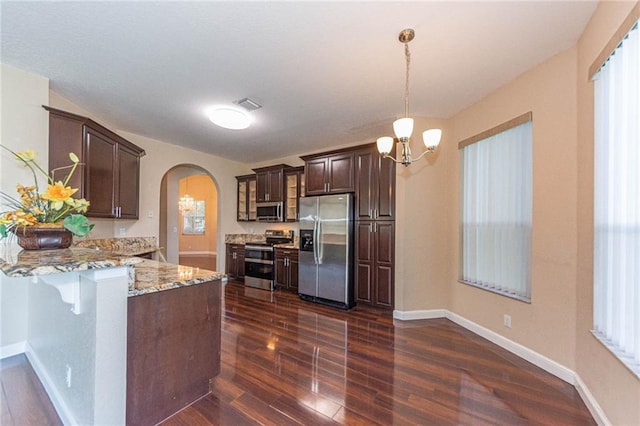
<point>257,238</point>
<point>126,246</point>
<point>153,276</point>
<point>146,276</point>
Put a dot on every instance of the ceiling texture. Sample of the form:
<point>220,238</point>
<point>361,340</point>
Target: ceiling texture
<point>326,73</point>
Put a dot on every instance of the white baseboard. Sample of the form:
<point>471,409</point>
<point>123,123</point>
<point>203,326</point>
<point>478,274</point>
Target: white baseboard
<point>530,355</point>
<point>197,253</point>
<point>56,399</point>
<point>592,404</point>
<point>415,315</point>
<point>12,349</point>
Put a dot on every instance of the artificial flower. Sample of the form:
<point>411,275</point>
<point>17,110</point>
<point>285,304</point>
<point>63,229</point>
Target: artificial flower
<point>53,206</point>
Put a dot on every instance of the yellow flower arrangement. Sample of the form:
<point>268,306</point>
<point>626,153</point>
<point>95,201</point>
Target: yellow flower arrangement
<point>55,205</point>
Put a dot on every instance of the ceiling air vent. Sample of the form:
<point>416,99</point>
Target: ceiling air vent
<point>248,104</point>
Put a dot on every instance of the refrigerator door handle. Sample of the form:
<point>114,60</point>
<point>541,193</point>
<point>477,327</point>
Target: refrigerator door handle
<point>315,241</point>
<point>320,248</point>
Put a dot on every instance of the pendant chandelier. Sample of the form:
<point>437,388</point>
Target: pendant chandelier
<point>186,203</point>
<point>403,127</point>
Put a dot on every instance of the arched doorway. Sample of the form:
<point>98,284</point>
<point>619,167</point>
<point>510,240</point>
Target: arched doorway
<point>189,238</point>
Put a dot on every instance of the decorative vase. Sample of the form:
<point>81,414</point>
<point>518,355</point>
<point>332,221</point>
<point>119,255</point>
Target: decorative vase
<point>43,237</point>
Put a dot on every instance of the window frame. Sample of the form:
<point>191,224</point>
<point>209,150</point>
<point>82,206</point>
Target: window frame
<point>480,137</point>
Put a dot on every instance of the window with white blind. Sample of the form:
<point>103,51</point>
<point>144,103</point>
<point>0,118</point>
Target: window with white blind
<point>617,201</point>
<point>496,209</point>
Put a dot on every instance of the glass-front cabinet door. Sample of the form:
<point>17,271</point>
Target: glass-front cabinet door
<point>246,198</point>
<point>252,199</point>
<point>294,189</point>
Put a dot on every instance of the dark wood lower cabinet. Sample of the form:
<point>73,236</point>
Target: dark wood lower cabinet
<point>234,262</point>
<point>286,264</point>
<point>173,350</point>
<point>374,273</point>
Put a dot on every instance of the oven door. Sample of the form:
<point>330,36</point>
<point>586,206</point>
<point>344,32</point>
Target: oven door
<point>259,266</point>
<point>259,273</point>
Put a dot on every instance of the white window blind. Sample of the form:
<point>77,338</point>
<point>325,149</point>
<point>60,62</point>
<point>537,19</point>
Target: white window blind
<point>496,212</point>
<point>617,202</point>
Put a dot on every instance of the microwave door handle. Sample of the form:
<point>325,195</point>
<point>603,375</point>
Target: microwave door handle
<point>279,212</point>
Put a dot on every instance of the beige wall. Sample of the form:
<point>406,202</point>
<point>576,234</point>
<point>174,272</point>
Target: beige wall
<point>425,223</point>
<point>616,388</point>
<point>558,320</point>
<point>547,324</point>
<point>201,187</point>
<point>24,124</point>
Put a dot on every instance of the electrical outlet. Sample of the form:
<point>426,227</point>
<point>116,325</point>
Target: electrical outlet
<point>150,214</point>
<point>507,321</point>
<point>68,375</point>
<point>123,232</point>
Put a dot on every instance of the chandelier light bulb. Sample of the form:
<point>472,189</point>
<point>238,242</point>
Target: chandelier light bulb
<point>431,138</point>
<point>385,144</point>
<point>403,127</point>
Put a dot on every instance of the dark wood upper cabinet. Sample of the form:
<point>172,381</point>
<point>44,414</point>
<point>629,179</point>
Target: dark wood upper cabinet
<point>110,175</point>
<point>329,173</point>
<point>270,183</point>
<point>375,185</point>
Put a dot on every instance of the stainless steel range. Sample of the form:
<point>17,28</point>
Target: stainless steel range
<point>259,259</point>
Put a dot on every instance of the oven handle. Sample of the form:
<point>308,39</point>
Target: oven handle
<point>259,248</point>
<point>264,262</point>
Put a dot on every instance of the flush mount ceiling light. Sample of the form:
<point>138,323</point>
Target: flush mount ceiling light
<point>234,117</point>
<point>403,127</point>
<point>229,118</point>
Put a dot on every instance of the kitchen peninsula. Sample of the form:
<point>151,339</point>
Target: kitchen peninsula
<point>117,339</point>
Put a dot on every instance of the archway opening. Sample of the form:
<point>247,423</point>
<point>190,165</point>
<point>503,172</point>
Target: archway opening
<point>189,237</point>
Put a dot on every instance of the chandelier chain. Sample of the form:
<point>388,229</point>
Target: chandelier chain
<point>406,84</point>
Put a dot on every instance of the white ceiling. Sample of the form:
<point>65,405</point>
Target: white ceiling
<point>326,73</point>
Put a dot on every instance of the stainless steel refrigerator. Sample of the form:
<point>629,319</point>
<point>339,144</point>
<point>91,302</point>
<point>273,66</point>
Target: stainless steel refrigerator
<point>326,250</point>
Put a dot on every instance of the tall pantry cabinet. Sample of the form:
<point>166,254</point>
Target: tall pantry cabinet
<point>375,183</point>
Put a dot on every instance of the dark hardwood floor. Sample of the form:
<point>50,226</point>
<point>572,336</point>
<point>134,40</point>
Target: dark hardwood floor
<point>23,400</point>
<point>289,362</point>
<point>285,361</point>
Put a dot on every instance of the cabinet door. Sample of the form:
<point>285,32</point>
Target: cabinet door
<point>384,251</point>
<point>262,186</point>
<point>281,270</point>
<point>240,262</point>
<point>340,173</point>
<point>276,185</point>
<point>293,272</point>
<point>315,176</point>
<point>100,159</point>
<point>242,211</point>
<point>239,250</point>
<point>385,188</point>
<point>251,199</point>
<point>292,195</point>
<point>229,266</point>
<point>128,183</point>
<point>364,276</point>
<point>66,135</point>
<point>365,185</point>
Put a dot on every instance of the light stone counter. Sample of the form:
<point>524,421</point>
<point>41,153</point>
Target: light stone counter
<point>146,276</point>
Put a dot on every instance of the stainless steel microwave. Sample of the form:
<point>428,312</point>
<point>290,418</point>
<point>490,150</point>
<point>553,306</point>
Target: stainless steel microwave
<point>269,212</point>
